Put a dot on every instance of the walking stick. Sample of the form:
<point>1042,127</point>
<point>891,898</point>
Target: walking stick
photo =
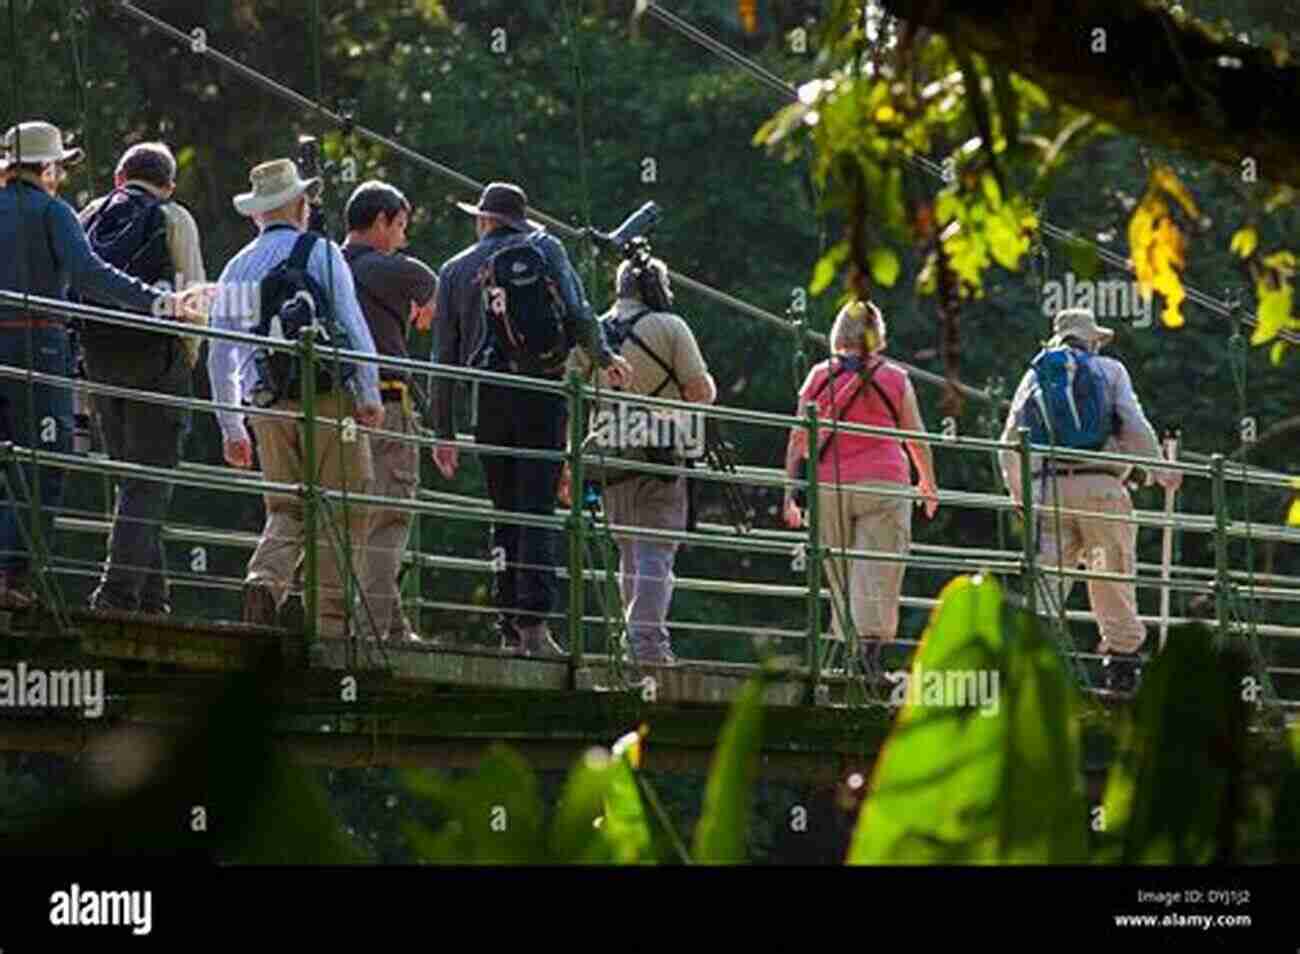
<point>1167,554</point>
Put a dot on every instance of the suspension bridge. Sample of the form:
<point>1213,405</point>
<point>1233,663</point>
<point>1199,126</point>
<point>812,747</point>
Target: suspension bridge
<point>440,703</point>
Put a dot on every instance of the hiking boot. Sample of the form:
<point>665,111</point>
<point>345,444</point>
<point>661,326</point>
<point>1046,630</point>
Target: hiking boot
<point>100,602</point>
<point>537,641</point>
<point>259,605</point>
<point>406,637</point>
<point>1120,673</point>
<point>656,653</point>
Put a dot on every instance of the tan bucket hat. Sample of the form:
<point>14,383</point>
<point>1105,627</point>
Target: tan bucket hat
<point>1078,323</point>
<point>37,141</point>
<point>275,183</point>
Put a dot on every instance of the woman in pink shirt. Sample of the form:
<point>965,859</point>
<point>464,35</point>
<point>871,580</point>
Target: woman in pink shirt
<point>862,477</point>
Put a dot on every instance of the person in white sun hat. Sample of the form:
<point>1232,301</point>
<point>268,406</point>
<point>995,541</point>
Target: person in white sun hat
<point>1104,545</point>
<point>279,204</point>
<point>44,252</point>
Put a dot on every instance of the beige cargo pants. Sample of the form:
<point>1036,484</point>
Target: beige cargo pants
<point>856,518</point>
<point>1100,545</point>
<point>338,463</point>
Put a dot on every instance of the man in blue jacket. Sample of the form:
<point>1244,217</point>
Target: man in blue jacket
<point>524,588</point>
<point>44,252</point>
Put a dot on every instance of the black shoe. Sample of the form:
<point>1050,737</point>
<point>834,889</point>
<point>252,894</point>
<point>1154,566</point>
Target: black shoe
<point>1120,673</point>
<point>259,605</point>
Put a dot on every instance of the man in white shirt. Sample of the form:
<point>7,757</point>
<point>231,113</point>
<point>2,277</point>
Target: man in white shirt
<point>279,205</point>
<point>1104,545</point>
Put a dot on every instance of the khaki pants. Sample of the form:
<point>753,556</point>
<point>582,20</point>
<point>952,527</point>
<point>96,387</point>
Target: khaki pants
<point>1102,545</point>
<point>397,474</point>
<point>337,465</point>
<point>856,518</point>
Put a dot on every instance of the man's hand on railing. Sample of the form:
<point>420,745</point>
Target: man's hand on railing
<point>239,452</point>
<point>792,515</point>
<point>446,460</point>
<point>929,497</point>
<point>369,415</point>
<point>619,373</point>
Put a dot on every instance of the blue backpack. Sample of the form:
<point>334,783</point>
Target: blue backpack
<point>1067,404</point>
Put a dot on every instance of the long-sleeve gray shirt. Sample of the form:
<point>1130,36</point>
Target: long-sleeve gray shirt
<point>58,255</point>
<point>461,328</point>
<point>1135,436</point>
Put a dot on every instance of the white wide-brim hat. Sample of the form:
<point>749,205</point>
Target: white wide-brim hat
<point>37,142</point>
<point>1078,323</point>
<point>275,183</point>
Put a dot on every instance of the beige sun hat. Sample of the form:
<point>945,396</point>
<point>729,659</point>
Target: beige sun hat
<point>1078,323</point>
<point>275,183</point>
<point>37,141</point>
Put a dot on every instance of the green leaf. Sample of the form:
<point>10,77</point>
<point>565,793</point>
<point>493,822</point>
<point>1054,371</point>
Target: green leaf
<point>625,824</point>
<point>983,763</point>
<point>494,816</point>
<point>1274,312</point>
<point>827,265</point>
<point>721,832</point>
<point>884,265</point>
<point>1166,789</point>
<point>576,837</point>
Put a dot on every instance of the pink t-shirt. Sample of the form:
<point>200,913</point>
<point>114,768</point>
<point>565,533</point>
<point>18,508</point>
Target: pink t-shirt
<point>861,456</point>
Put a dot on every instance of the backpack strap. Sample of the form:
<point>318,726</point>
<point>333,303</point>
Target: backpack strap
<point>640,343</point>
<point>302,250</point>
<point>866,380</point>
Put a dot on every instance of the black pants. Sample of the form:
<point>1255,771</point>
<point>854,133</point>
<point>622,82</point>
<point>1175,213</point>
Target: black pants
<point>135,573</point>
<point>511,417</point>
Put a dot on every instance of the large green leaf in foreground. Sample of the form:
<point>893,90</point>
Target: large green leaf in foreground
<point>1180,755</point>
<point>720,833</point>
<point>982,766</point>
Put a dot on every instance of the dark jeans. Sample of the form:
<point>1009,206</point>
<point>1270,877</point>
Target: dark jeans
<point>46,408</point>
<point>512,417</point>
<point>137,432</point>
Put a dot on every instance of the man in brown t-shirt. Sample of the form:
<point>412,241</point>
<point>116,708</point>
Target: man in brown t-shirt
<point>394,290</point>
<point>667,363</point>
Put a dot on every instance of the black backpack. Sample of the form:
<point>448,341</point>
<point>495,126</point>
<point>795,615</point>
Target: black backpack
<point>129,231</point>
<point>524,310</point>
<point>291,300</point>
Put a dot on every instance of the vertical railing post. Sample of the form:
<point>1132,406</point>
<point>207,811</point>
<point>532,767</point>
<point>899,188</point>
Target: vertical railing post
<point>1219,489</point>
<point>1030,523</point>
<point>813,564</point>
<point>576,528</point>
<point>310,516</point>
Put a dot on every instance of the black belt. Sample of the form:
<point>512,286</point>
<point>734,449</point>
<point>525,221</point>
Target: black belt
<point>1077,472</point>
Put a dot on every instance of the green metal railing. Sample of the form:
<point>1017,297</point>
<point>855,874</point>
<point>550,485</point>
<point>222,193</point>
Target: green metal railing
<point>321,506</point>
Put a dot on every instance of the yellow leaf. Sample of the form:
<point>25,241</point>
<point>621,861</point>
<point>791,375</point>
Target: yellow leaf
<point>1165,179</point>
<point>1293,515</point>
<point>1278,352</point>
<point>1274,310</point>
<point>885,114</point>
<point>1244,242</point>
<point>1282,261</point>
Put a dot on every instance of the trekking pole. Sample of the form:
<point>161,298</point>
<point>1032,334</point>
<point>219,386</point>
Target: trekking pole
<point>1167,551</point>
<point>311,568</point>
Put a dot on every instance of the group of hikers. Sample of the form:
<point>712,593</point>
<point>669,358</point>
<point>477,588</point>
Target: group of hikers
<point>511,303</point>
